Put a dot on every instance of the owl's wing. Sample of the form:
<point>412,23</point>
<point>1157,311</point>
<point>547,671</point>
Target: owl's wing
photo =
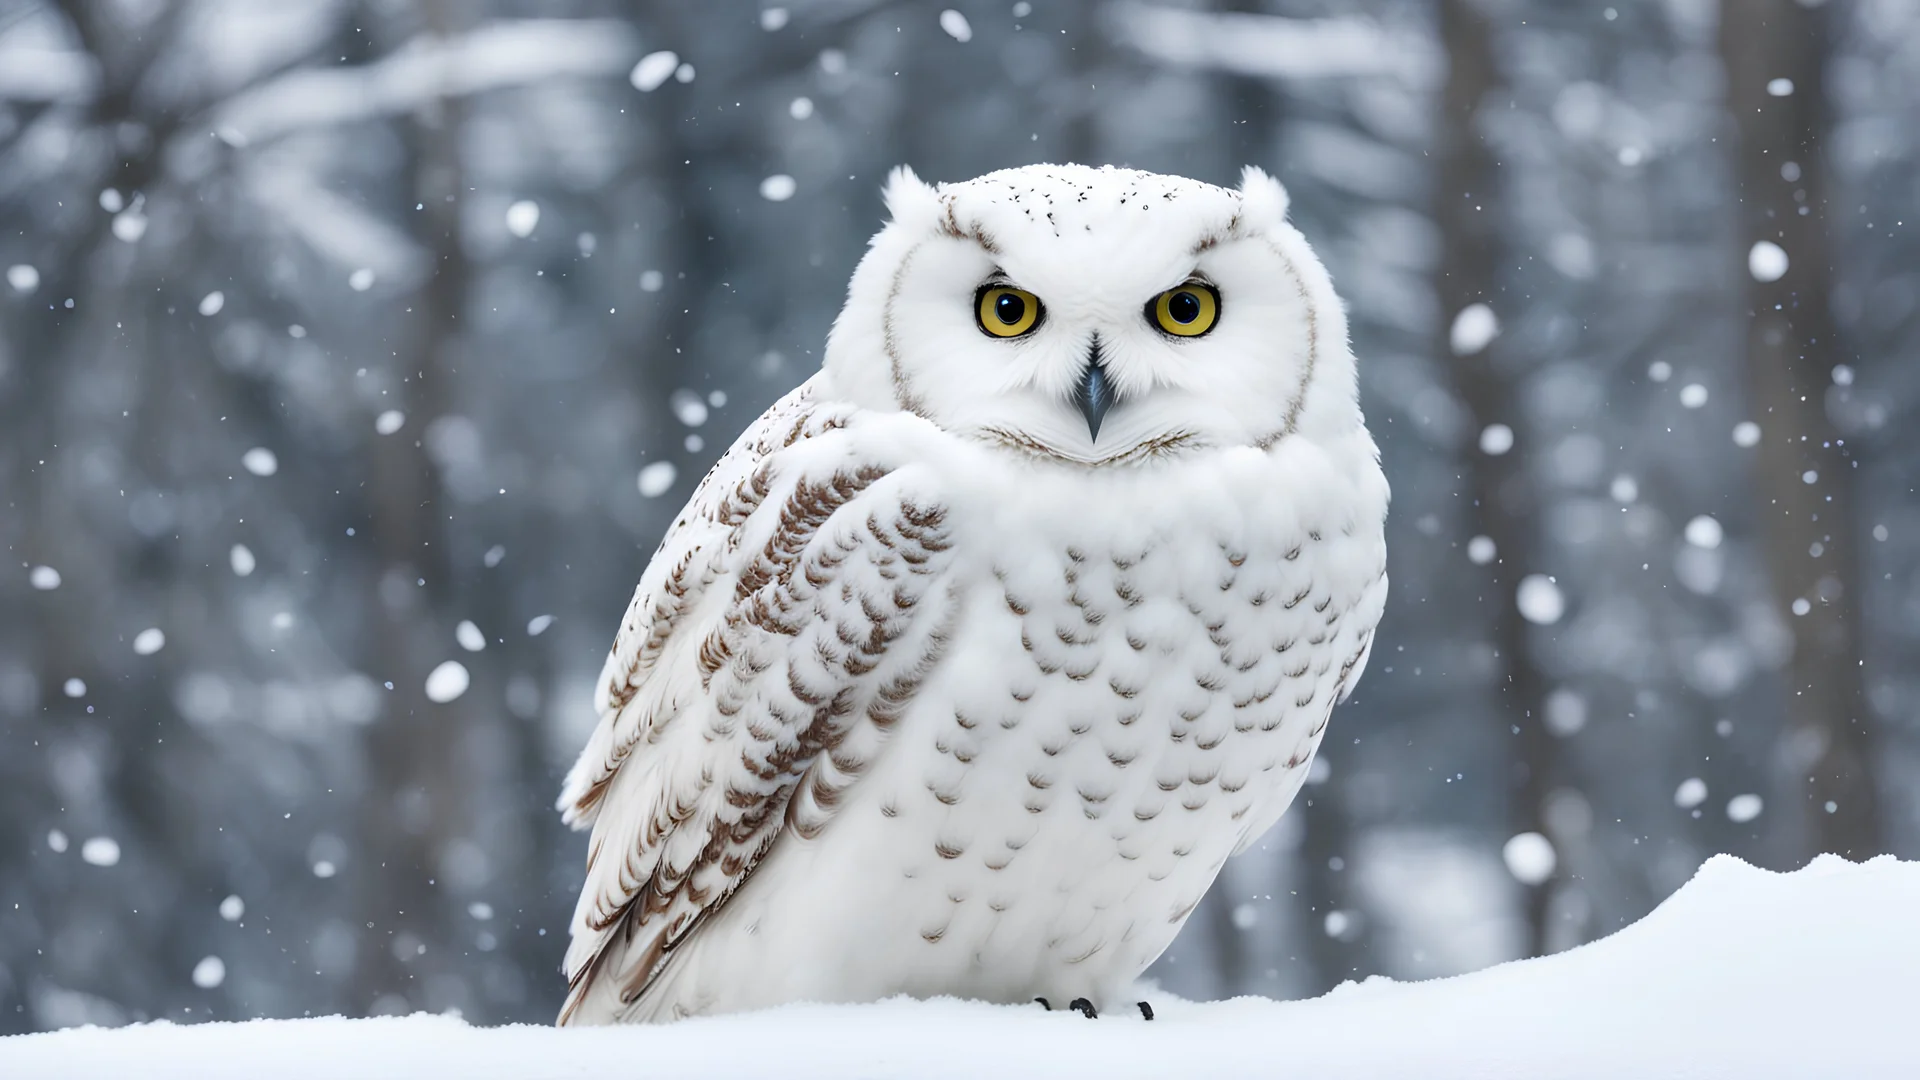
<point>781,628</point>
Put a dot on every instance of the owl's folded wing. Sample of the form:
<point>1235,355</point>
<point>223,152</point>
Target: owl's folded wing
<point>778,632</point>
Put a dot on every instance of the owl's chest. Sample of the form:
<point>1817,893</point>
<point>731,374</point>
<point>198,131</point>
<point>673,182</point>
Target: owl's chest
<point>1129,686</point>
<point>1138,684</point>
<point>1107,724</point>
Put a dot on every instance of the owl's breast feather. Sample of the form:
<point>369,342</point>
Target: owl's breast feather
<point>1142,668</point>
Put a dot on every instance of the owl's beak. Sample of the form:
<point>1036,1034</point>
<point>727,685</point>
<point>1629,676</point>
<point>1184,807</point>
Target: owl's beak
<point>1095,393</point>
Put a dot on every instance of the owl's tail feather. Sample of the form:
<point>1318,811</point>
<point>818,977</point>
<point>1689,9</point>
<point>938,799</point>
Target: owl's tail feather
<point>609,988</point>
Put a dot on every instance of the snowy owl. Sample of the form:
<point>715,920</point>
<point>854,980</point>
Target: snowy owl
<point>971,662</point>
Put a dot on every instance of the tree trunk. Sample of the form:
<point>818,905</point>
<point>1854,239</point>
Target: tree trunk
<point>1503,495</point>
<point>1334,943</point>
<point>414,749</point>
<point>1805,479</point>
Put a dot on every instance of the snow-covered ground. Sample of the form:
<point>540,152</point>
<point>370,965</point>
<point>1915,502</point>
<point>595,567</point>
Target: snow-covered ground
<point>1741,974</point>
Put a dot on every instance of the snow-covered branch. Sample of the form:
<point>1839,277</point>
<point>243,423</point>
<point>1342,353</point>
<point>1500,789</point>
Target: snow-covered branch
<point>1275,47</point>
<point>50,75</point>
<point>336,228</point>
<point>493,57</point>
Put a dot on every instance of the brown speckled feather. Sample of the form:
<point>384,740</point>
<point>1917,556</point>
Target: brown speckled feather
<point>786,618</point>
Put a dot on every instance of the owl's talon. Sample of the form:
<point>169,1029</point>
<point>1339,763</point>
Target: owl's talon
<point>1146,1010</point>
<point>1084,1008</point>
<point>1044,1004</point>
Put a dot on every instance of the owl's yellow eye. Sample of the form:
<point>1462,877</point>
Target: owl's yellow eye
<point>1007,312</point>
<point>1188,311</point>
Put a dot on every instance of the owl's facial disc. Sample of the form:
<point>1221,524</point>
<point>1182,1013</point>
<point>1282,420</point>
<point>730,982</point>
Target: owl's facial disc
<point>1096,318</point>
<point>1086,375</point>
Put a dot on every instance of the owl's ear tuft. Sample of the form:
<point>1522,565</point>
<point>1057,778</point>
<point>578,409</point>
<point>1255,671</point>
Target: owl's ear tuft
<point>1263,197</point>
<point>911,202</point>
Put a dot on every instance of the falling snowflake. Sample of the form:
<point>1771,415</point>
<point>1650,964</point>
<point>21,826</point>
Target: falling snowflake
<point>1704,532</point>
<point>210,972</point>
<point>100,851</point>
<point>129,226</point>
<point>1540,600</point>
<point>1529,857</point>
<point>469,636</point>
<point>1566,712</point>
<point>1767,261</point>
<point>260,461</point>
<point>654,69</point>
<point>956,25</point>
<point>523,217</point>
<point>656,478</point>
<point>688,408</point>
<point>1473,328</point>
<point>447,682</point>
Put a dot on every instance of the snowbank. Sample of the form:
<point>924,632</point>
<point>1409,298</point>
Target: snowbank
<point>1741,974</point>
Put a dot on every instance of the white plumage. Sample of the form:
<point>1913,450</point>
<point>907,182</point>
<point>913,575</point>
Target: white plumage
<point>931,689</point>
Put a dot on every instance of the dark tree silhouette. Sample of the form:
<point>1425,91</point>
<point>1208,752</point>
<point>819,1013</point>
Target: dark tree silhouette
<point>1805,472</point>
<point>1467,203</point>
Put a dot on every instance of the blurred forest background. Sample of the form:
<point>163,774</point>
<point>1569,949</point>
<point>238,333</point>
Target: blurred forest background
<point>355,353</point>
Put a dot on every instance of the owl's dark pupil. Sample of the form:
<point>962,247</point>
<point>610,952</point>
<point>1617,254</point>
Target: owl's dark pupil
<point>1183,306</point>
<point>1009,309</point>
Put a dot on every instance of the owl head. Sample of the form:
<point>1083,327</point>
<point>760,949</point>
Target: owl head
<point>1099,317</point>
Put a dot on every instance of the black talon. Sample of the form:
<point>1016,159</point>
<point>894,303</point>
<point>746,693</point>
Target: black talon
<point>1146,1010</point>
<point>1084,1008</point>
<point>1044,1004</point>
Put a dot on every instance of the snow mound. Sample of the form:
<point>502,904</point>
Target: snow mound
<point>1741,974</point>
